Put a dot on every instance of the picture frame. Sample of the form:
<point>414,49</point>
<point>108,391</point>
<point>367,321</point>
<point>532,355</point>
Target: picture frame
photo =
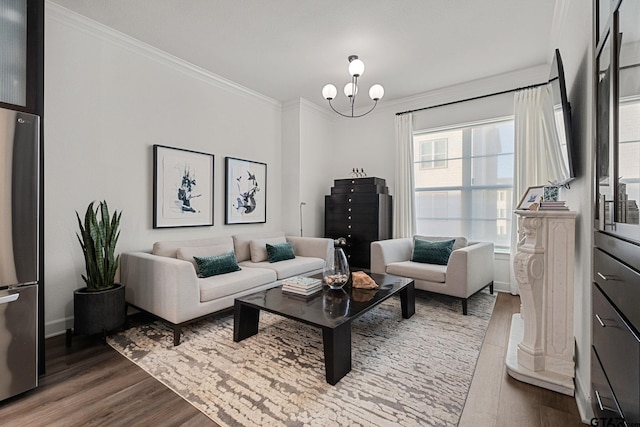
<point>245,191</point>
<point>532,196</point>
<point>182,187</point>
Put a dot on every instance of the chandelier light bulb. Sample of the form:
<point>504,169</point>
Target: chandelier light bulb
<point>356,67</point>
<point>329,92</point>
<point>376,92</point>
<point>350,88</point>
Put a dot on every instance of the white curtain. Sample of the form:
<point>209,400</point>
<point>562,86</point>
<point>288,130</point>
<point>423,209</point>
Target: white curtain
<point>537,155</point>
<point>404,212</point>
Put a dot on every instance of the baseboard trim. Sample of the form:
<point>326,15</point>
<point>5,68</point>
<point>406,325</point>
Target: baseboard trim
<point>583,401</point>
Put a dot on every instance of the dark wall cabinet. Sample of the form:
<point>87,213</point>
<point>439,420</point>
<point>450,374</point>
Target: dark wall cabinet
<point>359,210</point>
<point>615,351</point>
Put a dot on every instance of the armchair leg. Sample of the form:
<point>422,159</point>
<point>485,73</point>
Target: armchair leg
<point>491,288</point>
<point>177,329</point>
<point>464,306</point>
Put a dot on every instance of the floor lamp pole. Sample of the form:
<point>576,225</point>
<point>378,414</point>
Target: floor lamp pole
<point>301,205</point>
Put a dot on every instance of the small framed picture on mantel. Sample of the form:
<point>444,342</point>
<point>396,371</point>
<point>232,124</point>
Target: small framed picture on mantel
<point>531,198</point>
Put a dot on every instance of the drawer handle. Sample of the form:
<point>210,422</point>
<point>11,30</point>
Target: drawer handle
<point>604,408</point>
<point>612,324</point>
<point>605,278</point>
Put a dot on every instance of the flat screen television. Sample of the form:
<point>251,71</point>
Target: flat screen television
<point>562,115</point>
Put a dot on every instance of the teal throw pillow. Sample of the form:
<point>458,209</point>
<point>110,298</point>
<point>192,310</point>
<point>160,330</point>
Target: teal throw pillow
<point>280,252</point>
<point>213,265</point>
<point>429,252</point>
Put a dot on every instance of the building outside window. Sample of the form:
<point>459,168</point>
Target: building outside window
<point>433,154</point>
<point>467,189</point>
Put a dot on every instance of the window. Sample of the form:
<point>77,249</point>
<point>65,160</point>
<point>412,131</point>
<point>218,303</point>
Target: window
<point>433,154</point>
<point>464,181</point>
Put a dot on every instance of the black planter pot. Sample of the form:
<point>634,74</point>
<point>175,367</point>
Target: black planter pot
<point>98,312</point>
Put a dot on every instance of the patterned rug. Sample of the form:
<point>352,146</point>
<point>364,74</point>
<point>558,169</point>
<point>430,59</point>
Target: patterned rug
<point>405,372</point>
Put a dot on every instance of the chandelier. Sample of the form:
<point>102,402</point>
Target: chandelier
<point>356,68</point>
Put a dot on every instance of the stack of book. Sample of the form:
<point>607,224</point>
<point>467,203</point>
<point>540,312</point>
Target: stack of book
<point>553,206</point>
<point>300,285</point>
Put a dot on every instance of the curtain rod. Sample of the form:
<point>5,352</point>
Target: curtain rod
<point>472,99</point>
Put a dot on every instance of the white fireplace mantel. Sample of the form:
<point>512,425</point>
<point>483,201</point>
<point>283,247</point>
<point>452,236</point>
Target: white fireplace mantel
<point>541,342</point>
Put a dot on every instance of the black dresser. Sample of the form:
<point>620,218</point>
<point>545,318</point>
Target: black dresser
<point>359,210</point>
<point>615,358</point>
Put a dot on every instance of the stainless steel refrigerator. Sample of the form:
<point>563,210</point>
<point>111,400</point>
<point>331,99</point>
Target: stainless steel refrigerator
<point>19,249</point>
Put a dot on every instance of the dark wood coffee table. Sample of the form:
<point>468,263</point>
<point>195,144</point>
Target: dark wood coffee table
<point>331,310</point>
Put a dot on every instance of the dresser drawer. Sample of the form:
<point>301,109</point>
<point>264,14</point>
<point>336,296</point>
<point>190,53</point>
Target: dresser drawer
<point>354,199</point>
<point>363,231</point>
<point>605,404</point>
<point>353,217</point>
<point>619,352</point>
<point>346,210</point>
<point>620,283</point>
<point>369,180</point>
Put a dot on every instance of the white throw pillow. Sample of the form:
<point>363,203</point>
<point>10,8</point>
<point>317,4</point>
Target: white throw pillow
<point>258,247</point>
<point>188,252</point>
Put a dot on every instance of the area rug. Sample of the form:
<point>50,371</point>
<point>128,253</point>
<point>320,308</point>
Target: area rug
<point>405,372</point>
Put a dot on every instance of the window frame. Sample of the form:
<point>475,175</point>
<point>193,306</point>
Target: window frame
<point>467,187</point>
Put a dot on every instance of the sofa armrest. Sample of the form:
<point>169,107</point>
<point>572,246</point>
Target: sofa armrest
<point>310,246</point>
<point>384,252</point>
<point>470,269</point>
<point>166,287</point>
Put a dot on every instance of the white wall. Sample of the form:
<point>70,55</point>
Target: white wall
<point>574,42</point>
<point>307,156</point>
<point>108,99</point>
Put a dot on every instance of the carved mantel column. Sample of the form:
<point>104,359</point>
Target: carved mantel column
<point>541,345</point>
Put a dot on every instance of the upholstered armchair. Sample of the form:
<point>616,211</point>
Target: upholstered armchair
<point>469,267</point>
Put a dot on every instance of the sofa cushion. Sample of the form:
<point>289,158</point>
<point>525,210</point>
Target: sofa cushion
<point>280,252</point>
<point>432,252</point>
<point>241,242</point>
<point>300,265</point>
<point>223,285</point>
<point>218,264</point>
<point>460,242</point>
<point>188,253</point>
<point>258,247</point>
<point>169,248</point>
<point>416,270</point>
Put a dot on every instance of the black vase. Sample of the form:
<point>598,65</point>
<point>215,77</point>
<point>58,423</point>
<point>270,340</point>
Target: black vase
<point>98,312</point>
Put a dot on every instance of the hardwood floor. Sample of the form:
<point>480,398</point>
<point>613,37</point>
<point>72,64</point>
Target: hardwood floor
<point>92,384</point>
<point>496,399</point>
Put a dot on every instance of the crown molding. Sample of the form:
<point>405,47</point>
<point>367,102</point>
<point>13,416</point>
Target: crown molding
<point>107,34</point>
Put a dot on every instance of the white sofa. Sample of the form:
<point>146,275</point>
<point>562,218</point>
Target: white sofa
<point>469,269</point>
<point>168,287</point>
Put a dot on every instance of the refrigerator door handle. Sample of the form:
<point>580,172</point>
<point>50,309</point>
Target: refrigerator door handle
<point>9,298</point>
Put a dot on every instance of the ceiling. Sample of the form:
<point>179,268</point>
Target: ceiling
<point>287,49</point>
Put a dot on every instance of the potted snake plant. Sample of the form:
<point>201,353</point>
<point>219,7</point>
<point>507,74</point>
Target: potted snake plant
<point>100,306</point>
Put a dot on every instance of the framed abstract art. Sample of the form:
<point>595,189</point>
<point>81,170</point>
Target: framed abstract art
<point>182,187</point>
<point>245,191</point>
